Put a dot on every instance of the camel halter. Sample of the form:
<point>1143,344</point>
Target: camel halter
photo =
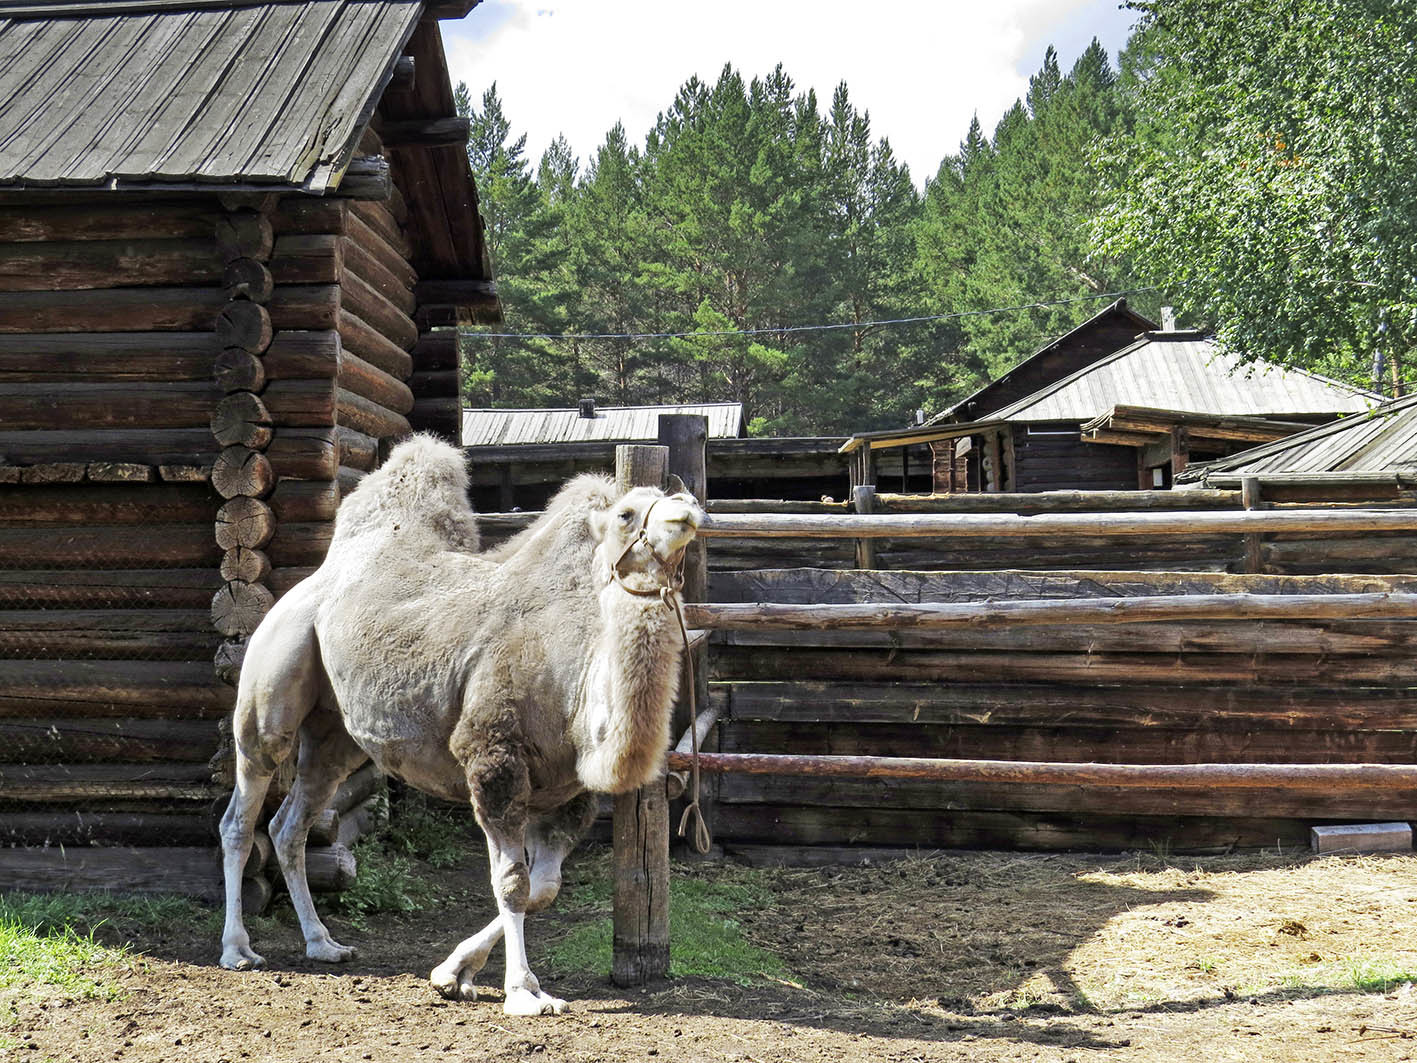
<point>668,592</point>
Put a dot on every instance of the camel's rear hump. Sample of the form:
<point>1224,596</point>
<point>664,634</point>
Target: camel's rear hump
<point>421,487</point>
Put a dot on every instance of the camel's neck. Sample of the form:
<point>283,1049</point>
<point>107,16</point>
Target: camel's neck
<point>630,685</point>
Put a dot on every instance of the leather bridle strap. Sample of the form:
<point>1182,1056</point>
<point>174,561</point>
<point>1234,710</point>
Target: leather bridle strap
<point>667,592</point>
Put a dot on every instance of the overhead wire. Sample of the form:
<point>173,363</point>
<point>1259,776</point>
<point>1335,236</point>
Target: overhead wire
<point>780,330</point>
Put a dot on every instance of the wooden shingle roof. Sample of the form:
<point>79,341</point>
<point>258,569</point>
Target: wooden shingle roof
<point>1380,442</point>
<point>1186,372</point>
<point>501,427</point>
<point>163,93</point>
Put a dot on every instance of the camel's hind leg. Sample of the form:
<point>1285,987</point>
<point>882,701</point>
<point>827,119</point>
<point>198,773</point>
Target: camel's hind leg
<point>280,684</point>
<point>548,842</point>
<point>327,756</point>
<point>237,826</point>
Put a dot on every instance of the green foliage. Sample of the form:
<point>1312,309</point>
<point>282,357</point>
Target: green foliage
<point>421,833</point>
<point>1268,176</point>
<point>707,941</point>
<point>41,946</point>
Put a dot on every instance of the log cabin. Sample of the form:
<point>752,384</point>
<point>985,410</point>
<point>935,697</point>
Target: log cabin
<point>236,240</point>
<point>1127,419</point>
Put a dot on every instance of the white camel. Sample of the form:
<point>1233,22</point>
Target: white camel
<point>521,680</point>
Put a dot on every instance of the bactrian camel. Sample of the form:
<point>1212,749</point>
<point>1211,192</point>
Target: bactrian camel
<point>522,680</point>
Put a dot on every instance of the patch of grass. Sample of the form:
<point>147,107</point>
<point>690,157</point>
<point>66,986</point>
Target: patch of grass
<point>45,912</point>
<point>1377,976</point>
<point>387,882</point>
<point>705,939</point>
<point>428,830</point>
<point>39,946</point>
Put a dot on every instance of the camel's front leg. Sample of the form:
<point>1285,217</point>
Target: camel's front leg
<point>511,883</point>
<point>549,841</point>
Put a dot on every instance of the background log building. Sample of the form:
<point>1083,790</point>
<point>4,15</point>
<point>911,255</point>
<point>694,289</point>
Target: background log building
<point>234,241</point>
<point>1125,417</point>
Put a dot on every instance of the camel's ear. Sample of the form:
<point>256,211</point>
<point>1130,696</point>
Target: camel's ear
<point>598,520</point>
<point>677,486</point>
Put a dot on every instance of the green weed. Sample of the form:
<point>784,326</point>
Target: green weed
<point>430,831</point>
<point>39,948</point>
<point>387,882</point>
<point>1377,976</point>
<point>705,939</point>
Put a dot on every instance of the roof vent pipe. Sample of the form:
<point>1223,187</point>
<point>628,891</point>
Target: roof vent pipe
<point>1168,319</point>
<point>587,409</point>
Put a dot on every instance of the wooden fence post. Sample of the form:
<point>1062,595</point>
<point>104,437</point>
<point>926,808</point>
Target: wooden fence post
<point>1250,498</point>
<point>863,500</point>
<point>641,824</point>
<point>686,436</point>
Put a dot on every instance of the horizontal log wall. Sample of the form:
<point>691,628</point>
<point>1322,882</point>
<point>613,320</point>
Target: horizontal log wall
<point>111,368</point>
<point>1336,691</point>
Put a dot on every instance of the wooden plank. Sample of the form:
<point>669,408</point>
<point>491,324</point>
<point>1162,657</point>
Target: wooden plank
<point>106,356</point>
<point>980,666</point>
<point>178,545</point>
<point>106,504</point>
<point>151,689</point>
<point>80,405</point>
<point>369,418</point>
<point>161,588</point>
<point>193,872</point>
<point>111,310</point>
<point>367,303</point>
<point>827,702</point>
<point>300,544</point>
<point>797,826</point>
<point>77,828</point>
<point>143,218</point>
<point>67,740</point>
<point>757,616</point>
<point>825,587</point>
<point>89,264</point>
<point>372,383</point>
<point>1057,524</point>
<point>1323,777</point>
<point>105,783</point>
<point>108,634</point>
<point>951,798</point>
<point>367,342</point>
<point>1073,742</point>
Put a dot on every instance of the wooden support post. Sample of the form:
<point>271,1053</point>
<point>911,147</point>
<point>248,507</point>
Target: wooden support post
<point>641,823</point>
<point>1180,450</point>
<point>994,445</point>
<point>1250,498</point>
<point>863,498</point>
<point>686,436</point>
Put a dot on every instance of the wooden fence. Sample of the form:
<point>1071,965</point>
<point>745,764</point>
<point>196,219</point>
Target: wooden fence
<point>1112,705</point>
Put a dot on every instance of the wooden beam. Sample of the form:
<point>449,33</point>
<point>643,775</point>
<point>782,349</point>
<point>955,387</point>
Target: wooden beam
<point>425,132</point>
<point>749,616</point>
<point>1333,778</point>
<point>964,525</point>
<point>366,177</point>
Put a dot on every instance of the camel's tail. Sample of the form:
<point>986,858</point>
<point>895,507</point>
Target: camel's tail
<point>422,486</point>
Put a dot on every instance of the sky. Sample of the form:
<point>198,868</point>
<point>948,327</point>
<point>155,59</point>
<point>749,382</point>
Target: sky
<point>922,68</point>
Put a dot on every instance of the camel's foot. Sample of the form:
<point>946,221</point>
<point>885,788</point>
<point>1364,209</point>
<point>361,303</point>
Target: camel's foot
<point>528,1002</point>
<point>241,958</point>
<point>328,950</point>
<point>455,984</point>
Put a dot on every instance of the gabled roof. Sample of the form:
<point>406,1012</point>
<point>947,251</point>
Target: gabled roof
<point>502,427</point>
<point>1111,318</point>
<point>1186,372</point>
<point>163,93</point>
<point>1380,441</point>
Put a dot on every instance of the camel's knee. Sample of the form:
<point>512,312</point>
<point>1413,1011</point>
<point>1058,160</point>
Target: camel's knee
<point>513,886</point>
<point>544,889</point>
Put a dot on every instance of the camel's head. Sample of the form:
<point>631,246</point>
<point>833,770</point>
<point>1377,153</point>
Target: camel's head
<point>643,535</point>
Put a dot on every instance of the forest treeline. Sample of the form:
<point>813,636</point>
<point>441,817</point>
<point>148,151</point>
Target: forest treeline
<point>1197,169</point>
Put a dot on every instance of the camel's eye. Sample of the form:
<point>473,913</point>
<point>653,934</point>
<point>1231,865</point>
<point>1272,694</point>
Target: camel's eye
<point>627,515</point>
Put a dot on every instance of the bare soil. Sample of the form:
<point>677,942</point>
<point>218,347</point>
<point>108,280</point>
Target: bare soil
<point>981,956</point>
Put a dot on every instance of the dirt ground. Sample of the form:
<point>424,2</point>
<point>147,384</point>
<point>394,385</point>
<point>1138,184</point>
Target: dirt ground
<point>980,956</point>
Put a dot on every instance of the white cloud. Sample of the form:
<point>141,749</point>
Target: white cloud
<point>921,69</point>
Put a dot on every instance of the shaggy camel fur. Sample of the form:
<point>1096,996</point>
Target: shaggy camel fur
<point>519,680</point>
